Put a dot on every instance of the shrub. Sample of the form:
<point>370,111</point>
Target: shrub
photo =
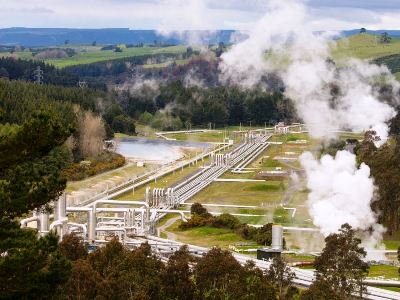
<point>123,124</point>
<point>247,232</point>
<point>225,221</point>
<point>195,221</point>
<point>198,209</point>
<point>107,161</point>
<point>264,235</point>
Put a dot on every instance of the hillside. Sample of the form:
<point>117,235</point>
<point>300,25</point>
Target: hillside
<point>365,46</point>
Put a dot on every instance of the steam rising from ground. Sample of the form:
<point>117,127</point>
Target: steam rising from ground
<point>283,43</point>
<point>327,97</point>
<point>341,193</point>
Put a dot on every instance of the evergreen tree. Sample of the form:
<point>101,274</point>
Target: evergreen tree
<point>30,167</point>
<point>340,269</point>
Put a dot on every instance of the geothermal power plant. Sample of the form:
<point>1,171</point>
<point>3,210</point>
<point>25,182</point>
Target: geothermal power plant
<point>135,222</point>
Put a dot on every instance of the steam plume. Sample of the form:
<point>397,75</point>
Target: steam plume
<point>327,97</point>
<point>282,42</point>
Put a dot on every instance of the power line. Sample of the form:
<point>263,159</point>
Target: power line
<point>82,84</point>
<point>38,75</point>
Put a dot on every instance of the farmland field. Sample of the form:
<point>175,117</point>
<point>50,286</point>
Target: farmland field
<point>88,54</point>
<point>365,46</point>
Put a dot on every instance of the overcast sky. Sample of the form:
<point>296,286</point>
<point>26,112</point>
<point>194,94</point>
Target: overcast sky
<point>190,14</point>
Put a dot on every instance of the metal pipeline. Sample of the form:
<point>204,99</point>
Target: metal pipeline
<point>82,226</point>
<point>24,222</point>
<point>59,224</point>
<point>92,214</point>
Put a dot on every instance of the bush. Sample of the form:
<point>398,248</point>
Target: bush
<point>165,121</point>
<point>107,161</point>
<point>123,124</point>
<point>195,221</point>
<point>198,209</point>
<point>263,235</point>
<point>247,232</point>
<point>225,221</point>
<point>146,118</point>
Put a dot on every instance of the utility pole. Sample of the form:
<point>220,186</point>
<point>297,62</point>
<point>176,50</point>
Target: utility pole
<point>38,75</point>
<point>82,84</point>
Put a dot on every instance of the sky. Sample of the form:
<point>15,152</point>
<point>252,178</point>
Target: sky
<point>168,15</point>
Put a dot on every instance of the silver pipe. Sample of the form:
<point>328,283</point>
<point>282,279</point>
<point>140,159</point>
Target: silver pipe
<point>24,222</point>
<point>83,226</point>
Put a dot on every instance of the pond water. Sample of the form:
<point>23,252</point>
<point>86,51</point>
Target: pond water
<point>155,150</point>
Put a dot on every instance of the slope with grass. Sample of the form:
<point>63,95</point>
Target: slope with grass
<point>365,46</point>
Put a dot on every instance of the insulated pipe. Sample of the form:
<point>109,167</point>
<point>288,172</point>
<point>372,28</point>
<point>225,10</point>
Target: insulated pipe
<point>24,222</point>
<point>117,210</point>
<point>60,207</point>
<point>59,224</point>
<point>172,211</point>
<point>92,214</point>
<point>78,209</point>
<point>115,202</point>
<point>112,229</point>
<point>43,223</point>
<point>82,226</point>
<point>92,225</point>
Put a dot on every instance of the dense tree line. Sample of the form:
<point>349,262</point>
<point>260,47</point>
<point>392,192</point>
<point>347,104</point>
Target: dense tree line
<point>219,106</point>
<point>114,272</point>
<point>384,163</point>
<point>116,67</point>
<point>18,100</point>
<point>20,69</point>
<point>77,108</point>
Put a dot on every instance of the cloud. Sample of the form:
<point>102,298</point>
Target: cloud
<point>192,14</point>
<point>27,10</point>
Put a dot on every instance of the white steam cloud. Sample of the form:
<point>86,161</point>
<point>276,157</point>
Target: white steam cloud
<point>283,42</point>
<point>185,19</point>
<point>339,191</point>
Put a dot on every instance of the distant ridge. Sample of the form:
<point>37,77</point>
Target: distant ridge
<point>37,37</point>
<point>395,33</point>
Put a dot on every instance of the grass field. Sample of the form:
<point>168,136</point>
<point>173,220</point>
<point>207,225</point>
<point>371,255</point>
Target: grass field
<point>364,46</point>
<point>124,173</point>
<point>388,272</point>
<point>206,236</point>
<point>245,193</point>
<point>88,54</point>
<point>215,136</point>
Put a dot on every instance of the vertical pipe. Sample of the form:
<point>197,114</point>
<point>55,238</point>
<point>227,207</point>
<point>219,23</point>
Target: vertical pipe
<point>277,237</point>
<point>92,225</point>
<point>43,223</point>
